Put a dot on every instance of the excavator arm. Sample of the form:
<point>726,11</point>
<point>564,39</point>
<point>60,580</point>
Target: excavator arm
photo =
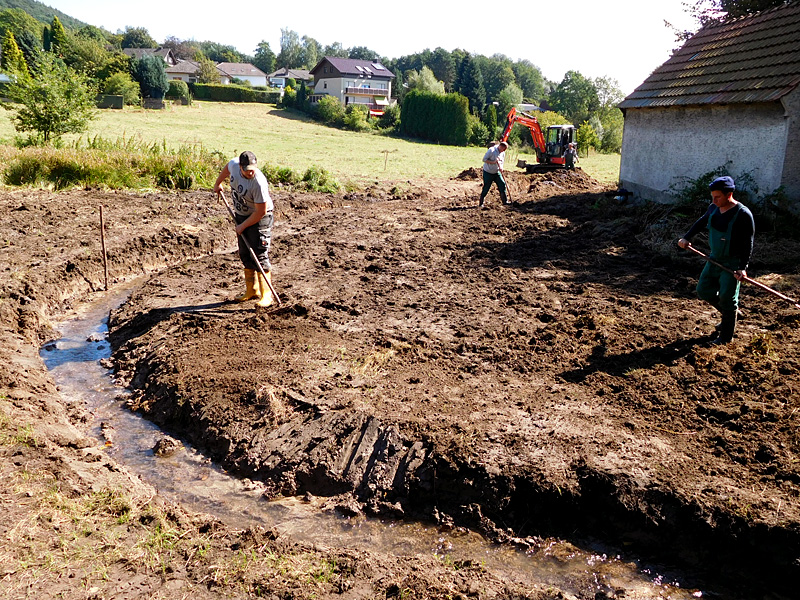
<point>531,123</point>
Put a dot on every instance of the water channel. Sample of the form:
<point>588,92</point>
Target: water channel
<point>190,479</point>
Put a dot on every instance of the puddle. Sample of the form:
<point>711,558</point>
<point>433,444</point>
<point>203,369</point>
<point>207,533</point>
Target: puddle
<point>189,478</point>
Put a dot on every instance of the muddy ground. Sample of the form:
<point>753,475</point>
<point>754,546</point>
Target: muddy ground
<point>525,371</point>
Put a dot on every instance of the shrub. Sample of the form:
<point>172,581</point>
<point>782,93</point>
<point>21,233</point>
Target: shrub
<point>479,134</point>
<point>441,118</point>
<point>317,179</point>
<point>178,89</point>
<point>232,93</point>
<point>390,119</point>
<point>330,110</point>
<point>122,84</point>
<point>355,117</point>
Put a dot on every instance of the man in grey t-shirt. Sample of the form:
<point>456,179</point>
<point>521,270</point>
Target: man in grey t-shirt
<point>253,210</point>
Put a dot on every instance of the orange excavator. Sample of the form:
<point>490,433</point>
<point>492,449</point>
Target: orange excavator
<point>549,150</point>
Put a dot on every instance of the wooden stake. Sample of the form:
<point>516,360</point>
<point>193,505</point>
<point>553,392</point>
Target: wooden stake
<point>103,246</point>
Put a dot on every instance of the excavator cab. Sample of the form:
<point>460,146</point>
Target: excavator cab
<point>556,142</point>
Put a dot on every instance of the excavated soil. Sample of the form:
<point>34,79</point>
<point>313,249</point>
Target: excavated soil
<point>532,370</point>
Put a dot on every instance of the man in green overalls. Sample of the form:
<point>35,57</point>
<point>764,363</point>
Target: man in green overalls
<point>730,234</point>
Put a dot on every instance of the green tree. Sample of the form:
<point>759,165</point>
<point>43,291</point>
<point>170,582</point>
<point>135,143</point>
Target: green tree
<point>182,49</point>
<point>150,72</point>
<point>443,68</point>
<point>613,122</point>
<point>575,97</point>
<point>335,50</point>
<point>59,41</point>
<point>12,59</point>
<point>425,80</point>
<point>509,96</point>
<point>490,120</point>
<point>530,79</point>
<point>497,74</point>
<point>586,137</point>
<point>265,58</point>
<point>472,85</point>
<point>54,101</point>
<point>362,53</point>
<point>21,24</point>
<point>122,84</point>
<point>291,54</point>
<point>208,71</point>
<point>137,37</point>
<point>312,52</point>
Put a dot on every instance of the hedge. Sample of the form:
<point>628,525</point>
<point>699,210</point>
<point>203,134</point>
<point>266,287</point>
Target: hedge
<point>441,118</point>
<point>232,93</point>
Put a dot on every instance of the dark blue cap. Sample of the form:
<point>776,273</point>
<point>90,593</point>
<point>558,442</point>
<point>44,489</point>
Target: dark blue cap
<point>724,184</point>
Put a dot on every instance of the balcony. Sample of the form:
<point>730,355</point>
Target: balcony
<point>365,91</point>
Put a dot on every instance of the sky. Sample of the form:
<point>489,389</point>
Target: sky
<point>622,39</point>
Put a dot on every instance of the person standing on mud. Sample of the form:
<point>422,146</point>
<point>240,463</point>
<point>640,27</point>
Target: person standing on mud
<point>730,234</point>
<point>253,208</point>
<point>571,156</point>
<point>493,172</point>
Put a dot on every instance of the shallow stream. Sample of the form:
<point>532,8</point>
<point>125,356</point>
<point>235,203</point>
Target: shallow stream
<point>189,478</point>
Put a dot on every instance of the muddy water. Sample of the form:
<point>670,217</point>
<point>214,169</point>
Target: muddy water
<point>187,477</point>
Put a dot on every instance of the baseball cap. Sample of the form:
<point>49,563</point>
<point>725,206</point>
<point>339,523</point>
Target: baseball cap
<point>247,161</point>
<point>724,184</point>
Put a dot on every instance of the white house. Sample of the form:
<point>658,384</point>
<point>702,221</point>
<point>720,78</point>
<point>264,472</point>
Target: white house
<point>243,71</point>
<point>353,81</point>
<point>185,70</point>
<point>730,96</point>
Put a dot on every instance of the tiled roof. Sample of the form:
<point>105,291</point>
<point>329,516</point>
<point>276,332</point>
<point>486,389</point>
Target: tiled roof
<point>240,70</point>
<point>301,74</point>
<point>750,59</point>
<point>353,66</point>
<point>188,67</point>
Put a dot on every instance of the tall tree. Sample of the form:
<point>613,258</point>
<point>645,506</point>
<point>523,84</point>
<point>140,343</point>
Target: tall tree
<point>137,37</point>
<point>443,67</point>
<point>182,49</point>
<point>509,96</point>
<point>12,60</point>
<point>59,41</point>
<point>336,50</point>
<point>362,53</point>
<point>312,52</point>
<point>530,79</point>
<point>291,54</point>
<point>264,57</point>
<point>208,71</point>
<point>575,97</point>
<point>151,73</point>
<point>54,101</point>
<point>472,85</point>
<point>424,81</point>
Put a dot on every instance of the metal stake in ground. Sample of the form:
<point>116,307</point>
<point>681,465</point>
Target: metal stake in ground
<point>252,252</point>
<point>747,279</point>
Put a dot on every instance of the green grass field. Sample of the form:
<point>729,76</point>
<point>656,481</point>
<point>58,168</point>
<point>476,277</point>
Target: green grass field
<point>289,138</point>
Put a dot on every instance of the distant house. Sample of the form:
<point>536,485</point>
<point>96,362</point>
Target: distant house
<point>165,53</point>
<point>730,95</point>
<point>278,78</point>
<point>243,71</point>
<point>353,82</point>
<point>185,70</point>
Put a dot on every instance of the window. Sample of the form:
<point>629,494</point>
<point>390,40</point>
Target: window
<point>325,86</point>
<point>324,69</point>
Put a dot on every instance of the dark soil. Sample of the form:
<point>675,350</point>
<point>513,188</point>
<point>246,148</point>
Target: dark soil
<point>532,370</point>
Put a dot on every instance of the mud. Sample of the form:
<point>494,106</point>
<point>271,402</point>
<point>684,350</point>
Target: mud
<point>525,371</point>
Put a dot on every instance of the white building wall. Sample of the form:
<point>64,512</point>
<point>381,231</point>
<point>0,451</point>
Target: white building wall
<point>255,79</point>
<point>661,145</point>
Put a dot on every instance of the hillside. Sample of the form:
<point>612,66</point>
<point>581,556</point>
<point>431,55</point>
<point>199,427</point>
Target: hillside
<point>42,12</point>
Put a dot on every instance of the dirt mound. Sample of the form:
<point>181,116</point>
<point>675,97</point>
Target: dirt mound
<point>469,174</point>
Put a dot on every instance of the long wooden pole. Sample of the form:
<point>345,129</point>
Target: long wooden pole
<point>747,279</point>
<point>103,246</point>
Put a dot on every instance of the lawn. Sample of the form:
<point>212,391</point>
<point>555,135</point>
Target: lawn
<point>289,138</point>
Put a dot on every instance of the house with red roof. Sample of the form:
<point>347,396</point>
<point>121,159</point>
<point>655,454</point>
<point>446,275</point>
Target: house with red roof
<point>729,97</point>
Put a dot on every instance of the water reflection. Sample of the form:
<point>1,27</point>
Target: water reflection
<point>189,478</point>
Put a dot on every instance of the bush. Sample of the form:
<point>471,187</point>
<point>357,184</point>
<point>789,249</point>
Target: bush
<point>289,97</point>
<point>436,117</point>
<point>390,119</point>
<point>122,84</point>
<point>479,134</point>
<point>317,179</point>
<point>178,89</point>
<point>330,110</point>
<point>232,93</point>
<point>355,117</point>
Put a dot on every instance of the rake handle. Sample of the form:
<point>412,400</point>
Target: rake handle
<point>745,278</point>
